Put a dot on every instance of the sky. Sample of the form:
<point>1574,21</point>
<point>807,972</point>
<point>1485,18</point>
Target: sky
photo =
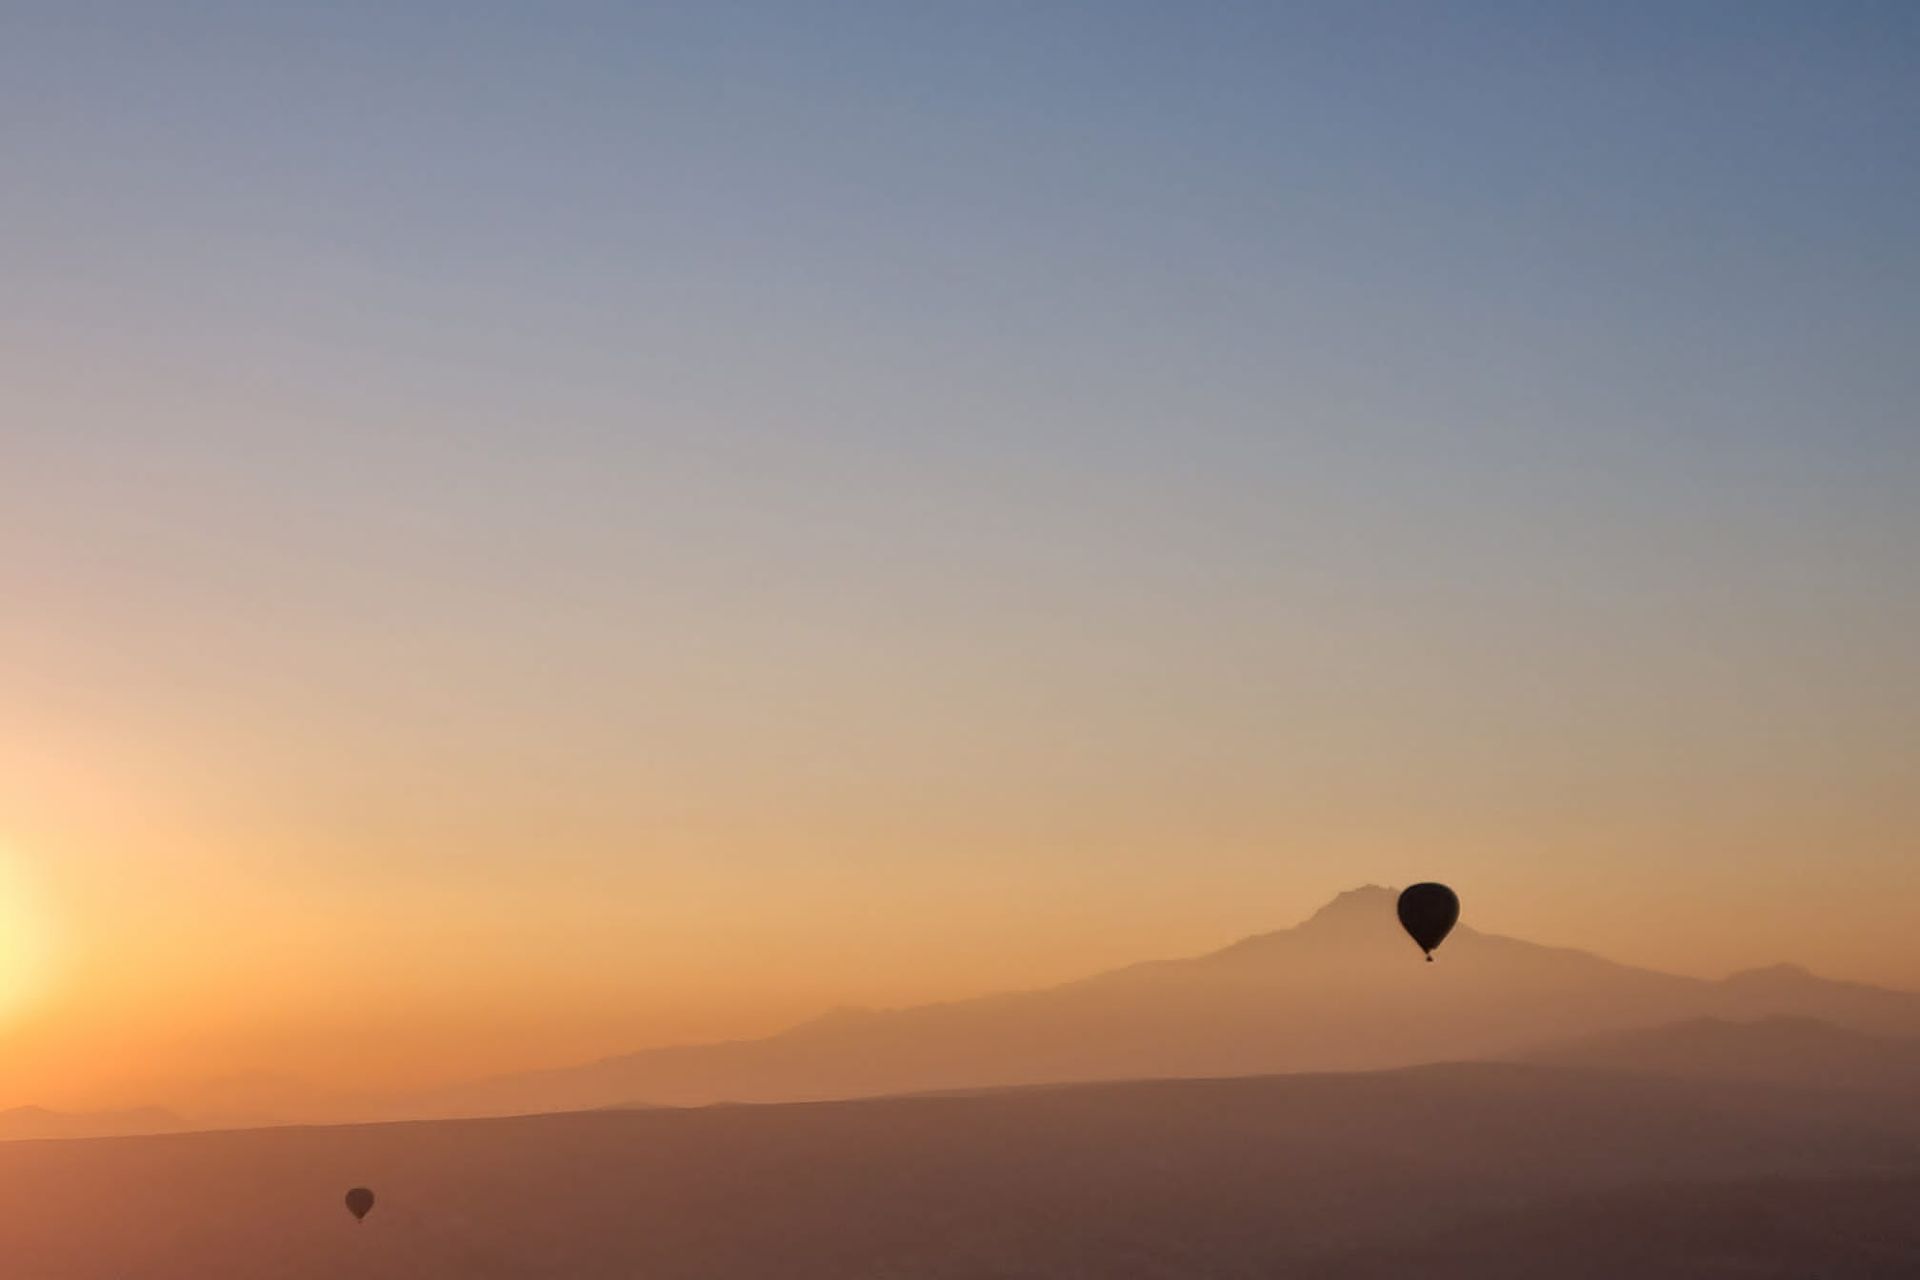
<point>529,531</point>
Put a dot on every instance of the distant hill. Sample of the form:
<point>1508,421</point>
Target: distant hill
<point>1802,1052</point>
<point>1197,1179</point>
<point>19,1123</point>
<point>1343,991</point>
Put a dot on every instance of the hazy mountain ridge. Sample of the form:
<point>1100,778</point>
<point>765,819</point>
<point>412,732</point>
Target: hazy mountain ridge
<point>1344,990</point>
<point>27,1123</point>
<point>1786,1050</point>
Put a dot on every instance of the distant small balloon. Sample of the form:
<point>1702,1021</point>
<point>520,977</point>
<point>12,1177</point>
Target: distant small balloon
<point>1428,913</point>
<point>359,1203</point>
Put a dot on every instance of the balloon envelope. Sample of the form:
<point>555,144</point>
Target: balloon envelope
<point>1428,913</point>
<point>359,1203</point>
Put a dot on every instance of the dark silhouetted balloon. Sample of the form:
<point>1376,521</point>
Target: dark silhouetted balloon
<point>360,1203</point>
<point>1428,913</point>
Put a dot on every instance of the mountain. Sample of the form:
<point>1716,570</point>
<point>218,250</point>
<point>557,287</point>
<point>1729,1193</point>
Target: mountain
<point>1342,991</point>
<point>1198,1179</point>
<point>1787,1050</point>
<point>18,1123</point>
<point>1791,990</point>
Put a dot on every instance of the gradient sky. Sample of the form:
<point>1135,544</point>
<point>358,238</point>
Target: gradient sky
<point>529,531</point>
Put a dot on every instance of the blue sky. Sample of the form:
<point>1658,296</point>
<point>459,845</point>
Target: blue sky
<point>1234,441</point>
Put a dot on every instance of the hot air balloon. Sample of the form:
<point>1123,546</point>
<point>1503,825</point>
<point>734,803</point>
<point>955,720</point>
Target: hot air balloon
<point>1428,913</point>
<point>359,1203</point>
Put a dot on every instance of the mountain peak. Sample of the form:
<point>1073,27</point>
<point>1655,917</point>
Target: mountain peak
<point>1362,917</point>
<point>1367,906</point>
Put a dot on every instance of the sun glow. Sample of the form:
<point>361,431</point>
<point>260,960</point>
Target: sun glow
<point>26,938</point>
